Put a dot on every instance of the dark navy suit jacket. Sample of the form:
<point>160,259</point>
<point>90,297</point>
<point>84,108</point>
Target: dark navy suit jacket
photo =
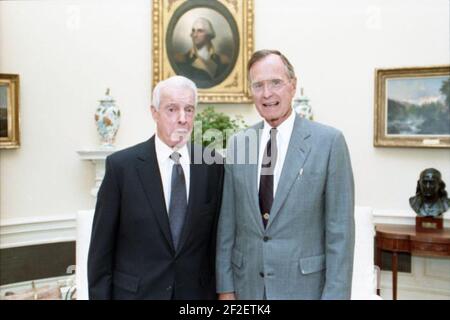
<point>131,255</point>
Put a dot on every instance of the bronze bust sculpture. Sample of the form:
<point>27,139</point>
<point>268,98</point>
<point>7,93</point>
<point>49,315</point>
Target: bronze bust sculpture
<point>431,198</point>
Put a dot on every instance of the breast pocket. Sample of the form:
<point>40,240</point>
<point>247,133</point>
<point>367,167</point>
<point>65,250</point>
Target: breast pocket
<point>310,183</point>
<point>209,206</point>
<point>311,175</point>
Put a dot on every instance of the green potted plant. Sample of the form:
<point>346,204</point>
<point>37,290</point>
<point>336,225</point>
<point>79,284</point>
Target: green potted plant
<point>212,128</point>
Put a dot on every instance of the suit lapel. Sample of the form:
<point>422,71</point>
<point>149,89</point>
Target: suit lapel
<point>251,179</point>
<point>150,177</point>
<point>252,189</point>
<point>296,156</point>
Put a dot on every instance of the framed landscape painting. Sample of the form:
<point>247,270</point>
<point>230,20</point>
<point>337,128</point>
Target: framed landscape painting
<point>9,111</point>
<point>412,107</point>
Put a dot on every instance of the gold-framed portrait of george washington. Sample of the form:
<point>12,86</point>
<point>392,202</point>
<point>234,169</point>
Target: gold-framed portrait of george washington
<point>207,41</point>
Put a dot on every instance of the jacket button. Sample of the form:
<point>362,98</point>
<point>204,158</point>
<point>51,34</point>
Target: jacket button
<point>266,238</point>
<point>261,274</point>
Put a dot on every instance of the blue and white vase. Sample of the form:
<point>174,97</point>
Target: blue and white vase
<point>107,119</point>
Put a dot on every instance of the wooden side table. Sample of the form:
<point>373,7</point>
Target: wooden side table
<point>405,238</point>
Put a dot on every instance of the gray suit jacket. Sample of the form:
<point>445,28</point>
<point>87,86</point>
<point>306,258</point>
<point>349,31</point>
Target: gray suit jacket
<point>306,251</point>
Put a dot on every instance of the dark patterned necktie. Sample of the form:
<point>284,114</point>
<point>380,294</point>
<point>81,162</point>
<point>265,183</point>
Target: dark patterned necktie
<point>178,200</point>
<point>266,179</point>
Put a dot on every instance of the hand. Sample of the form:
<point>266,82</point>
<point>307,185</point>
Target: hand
<point>227,296</point>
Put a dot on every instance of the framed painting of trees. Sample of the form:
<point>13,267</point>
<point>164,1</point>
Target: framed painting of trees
<point>412,107</point>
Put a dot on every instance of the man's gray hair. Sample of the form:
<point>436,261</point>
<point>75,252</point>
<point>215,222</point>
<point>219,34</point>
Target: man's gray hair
<point>261,54</point>
<point>173,82</point>
<point>207,25</point>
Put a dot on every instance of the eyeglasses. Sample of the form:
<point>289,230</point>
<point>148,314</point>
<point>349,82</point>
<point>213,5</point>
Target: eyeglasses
<point>272,84</point>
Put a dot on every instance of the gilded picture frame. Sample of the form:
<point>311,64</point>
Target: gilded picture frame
<point>412,107</point>
<point>215,62</point>
<point>9,111</point>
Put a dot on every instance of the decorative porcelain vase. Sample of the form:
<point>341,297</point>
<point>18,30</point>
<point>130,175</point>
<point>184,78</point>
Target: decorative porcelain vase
<point>107,119</point>
<point>302,107</point>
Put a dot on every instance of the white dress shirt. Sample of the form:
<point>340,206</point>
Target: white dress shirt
<point>284,132</point>
<point>204,53</point>
<point>165,164</point>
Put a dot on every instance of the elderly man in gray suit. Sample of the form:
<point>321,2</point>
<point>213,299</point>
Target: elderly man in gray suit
<point>286,228</point>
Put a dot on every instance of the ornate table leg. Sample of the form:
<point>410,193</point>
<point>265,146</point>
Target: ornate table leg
<point>379,264</point>
<point>394,275</point>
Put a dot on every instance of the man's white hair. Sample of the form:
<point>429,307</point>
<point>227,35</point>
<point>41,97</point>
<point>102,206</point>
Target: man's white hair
<point>207,25</point>
<point>173,82</point>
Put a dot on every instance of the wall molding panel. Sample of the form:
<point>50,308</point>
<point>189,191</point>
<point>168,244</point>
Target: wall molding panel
<point>37,230</point>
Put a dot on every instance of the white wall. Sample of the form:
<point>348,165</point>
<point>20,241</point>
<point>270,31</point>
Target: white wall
<point>335,48</point>
<point>68,52</point>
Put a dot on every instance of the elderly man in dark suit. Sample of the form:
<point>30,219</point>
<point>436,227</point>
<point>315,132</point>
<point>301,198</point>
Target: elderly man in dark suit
<point>154,228</point>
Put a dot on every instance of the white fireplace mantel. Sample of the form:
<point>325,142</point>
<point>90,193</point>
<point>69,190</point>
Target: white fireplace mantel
<point>97,157</point>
